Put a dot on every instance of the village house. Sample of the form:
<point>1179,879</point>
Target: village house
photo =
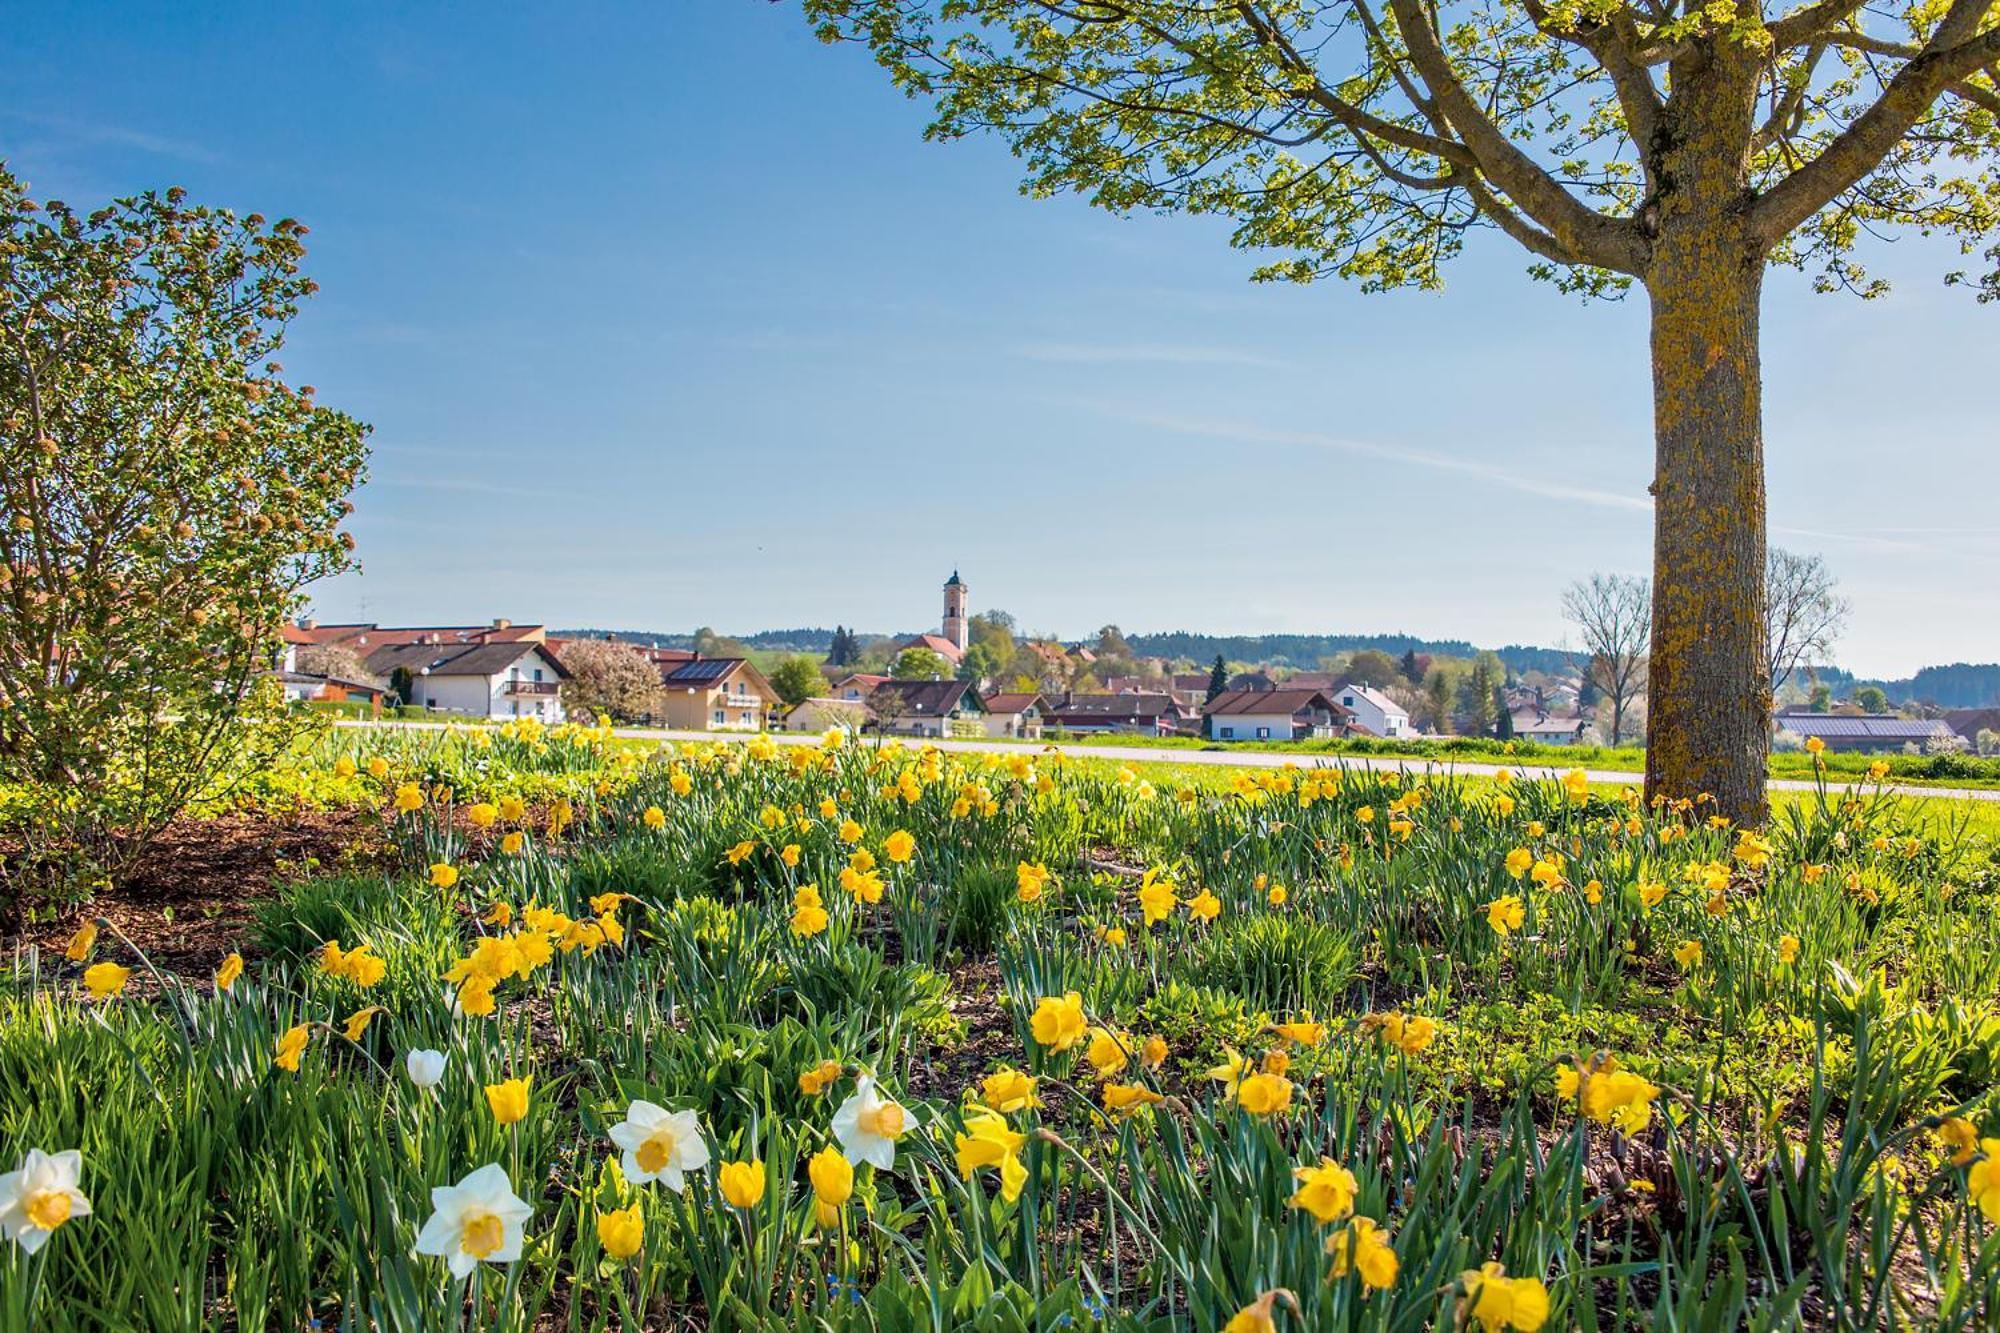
<point>1274,715</point>
<point>855,688</point>
<point>1015,715</point>
<point>505,678</point>
<point>715,694</point>
<point>1134,714</point>
<point>821,715</point>
<point>1373,710</point>
<point>1544,728</point>
<point>935,708</point>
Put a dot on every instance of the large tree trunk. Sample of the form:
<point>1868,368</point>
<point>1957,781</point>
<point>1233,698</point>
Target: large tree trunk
<point>1708,723</point>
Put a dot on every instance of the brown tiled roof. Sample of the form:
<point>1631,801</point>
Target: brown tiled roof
<point>1013,703</point>
<point>1111,707</point>
<point>938,644</point>
<point>454,659</point>
<point>368,636</point>
<point>929,698</point>
<point>1288,702</point>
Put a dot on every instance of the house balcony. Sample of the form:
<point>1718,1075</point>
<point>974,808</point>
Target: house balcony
<point>544,689</point>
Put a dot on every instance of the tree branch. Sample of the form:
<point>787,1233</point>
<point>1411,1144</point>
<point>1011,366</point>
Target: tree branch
<point>1860,148</point>
<point>1606,242</point>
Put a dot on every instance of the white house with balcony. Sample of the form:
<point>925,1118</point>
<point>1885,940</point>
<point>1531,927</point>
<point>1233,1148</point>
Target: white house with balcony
<point>1374,710</point>
<point>496,680</point>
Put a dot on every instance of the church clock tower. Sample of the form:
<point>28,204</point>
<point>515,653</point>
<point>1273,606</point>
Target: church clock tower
<point>955,627</point>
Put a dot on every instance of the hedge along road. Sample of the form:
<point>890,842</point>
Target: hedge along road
<point>1218,758</point>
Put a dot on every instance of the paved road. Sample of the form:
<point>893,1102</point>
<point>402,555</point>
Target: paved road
<point>1235,758</point>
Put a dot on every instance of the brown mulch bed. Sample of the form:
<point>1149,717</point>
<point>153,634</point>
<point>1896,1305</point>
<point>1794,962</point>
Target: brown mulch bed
<point>195,893</point>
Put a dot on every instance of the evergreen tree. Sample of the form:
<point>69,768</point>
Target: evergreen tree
<point>1413,670</point>
<point>1437,696</point>
<point>1476,701</point>
<point>1218,678</point>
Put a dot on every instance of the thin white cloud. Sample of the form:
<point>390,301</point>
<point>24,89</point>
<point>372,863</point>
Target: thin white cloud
<point>100,133</point>
<point>1163,354</point>
<point>470,486</point>
<point>1499,476</point>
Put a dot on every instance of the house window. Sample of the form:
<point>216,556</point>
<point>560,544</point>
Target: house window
<point>1229,733</point>
<point>1347,702</point>
<point>720,717</point>
<point>538,673</point>
<point>1263,733</point>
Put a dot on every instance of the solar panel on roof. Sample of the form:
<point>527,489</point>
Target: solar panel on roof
<point>705,670</point>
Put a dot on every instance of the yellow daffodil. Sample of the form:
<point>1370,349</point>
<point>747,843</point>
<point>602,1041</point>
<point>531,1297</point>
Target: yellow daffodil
<point>231,969</point>
<point>1127,1098</point>
<point>832,1178</point>
<point>1363,1247</point>
<point>621,1231</point>
<point>104,980</point>
<point>1009,1090</point>
<point>81,943</point>
<point>1506,914</point>
<point>1264,1093</point>
<point>1326,1191</point>
<point>508,1099</point>
<point>1982,1182</point>
<point>292,1046</point>
<point>1058,1023</point>
<point>742,1183</point>
<point>1497,1301</point>
<point>987,1141</point>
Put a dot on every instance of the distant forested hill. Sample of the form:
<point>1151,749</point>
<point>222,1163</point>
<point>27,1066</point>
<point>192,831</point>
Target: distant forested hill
<point>1307,650</point>
<point>1959,685</point>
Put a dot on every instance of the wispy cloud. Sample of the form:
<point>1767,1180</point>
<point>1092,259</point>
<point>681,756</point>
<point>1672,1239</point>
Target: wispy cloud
<point>473,486</point>
<point>97,132</point>
<point>1163,354</point>
<point>1507,478</point>
<point>1877,539</point>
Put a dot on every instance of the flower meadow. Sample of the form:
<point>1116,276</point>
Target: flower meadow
<point>858,1035</point>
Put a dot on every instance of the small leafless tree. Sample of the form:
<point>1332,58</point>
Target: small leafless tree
<point>1803,612</point>
<point>1613,613</point>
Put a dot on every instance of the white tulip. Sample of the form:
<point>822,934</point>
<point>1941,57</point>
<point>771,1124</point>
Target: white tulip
<point>479,1218</point>
<point>40,1197</point>
<point>868,1125</point>
<point>660,1145</point>
<point>425,1068</point>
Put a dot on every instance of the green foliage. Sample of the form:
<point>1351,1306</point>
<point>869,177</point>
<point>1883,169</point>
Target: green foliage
<point>167,495</point>
<point>797,679</point>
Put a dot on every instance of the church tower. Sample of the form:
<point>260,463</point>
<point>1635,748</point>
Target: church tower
<point>955,627</point>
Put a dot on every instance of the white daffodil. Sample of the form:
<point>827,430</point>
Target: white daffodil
<point>660,1145</point>
<point>425,1068</point>
<point>868,1125</point>
<point>40,1197</point>
<point>478,1218</point>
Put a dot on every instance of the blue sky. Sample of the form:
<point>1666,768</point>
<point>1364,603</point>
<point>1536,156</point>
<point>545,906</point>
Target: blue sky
<point>665,315</point>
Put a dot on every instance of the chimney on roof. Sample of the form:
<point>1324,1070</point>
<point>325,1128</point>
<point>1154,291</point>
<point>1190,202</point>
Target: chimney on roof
<point>308,623</point>
<point>501,622</point>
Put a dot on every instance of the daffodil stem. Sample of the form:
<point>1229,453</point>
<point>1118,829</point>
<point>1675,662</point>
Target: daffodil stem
<point>183,1020</point>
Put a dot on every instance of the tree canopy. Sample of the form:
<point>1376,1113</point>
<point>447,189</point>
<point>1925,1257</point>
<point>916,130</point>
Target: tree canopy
<point>1369,138</point>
